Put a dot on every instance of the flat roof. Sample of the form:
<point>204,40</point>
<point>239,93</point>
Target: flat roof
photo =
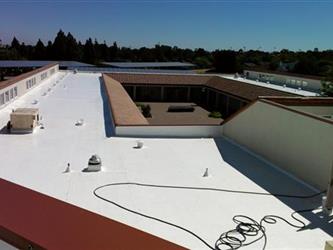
<point>284,73</point>
<point>36,63</point>
<point>298,92</point>
<point>37,161</point>
<point>148,64</point>
<point>93,69</point>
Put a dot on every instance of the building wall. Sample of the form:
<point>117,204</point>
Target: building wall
<point>170,131</point>
<point>23,85</point>
<point>318,110</point>
<point>289,81</point>
<point>299,144</point>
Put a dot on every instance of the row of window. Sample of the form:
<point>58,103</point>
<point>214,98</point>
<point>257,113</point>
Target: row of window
<point>30,83</point>
<point>297,82</point>
<point>43,76</point>
<point>8,96</point>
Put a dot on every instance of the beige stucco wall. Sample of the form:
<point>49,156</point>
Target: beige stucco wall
<point>21,84</point>
<point>318,110</point>
<point>301,145</point>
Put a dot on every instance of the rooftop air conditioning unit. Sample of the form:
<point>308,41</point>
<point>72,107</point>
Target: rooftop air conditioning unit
<point>23,120</point>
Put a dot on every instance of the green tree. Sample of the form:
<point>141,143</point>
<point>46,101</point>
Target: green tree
<point>89,55</point>
<point>60,46</point>
<point>225,61</point>
<point>39,51</point>
<point>327,84</point>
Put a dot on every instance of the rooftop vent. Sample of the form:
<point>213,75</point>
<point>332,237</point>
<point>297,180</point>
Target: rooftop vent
<point>139,144</point>
<point>206,174</point>
<point>79,122</point>
<point>94,164</point>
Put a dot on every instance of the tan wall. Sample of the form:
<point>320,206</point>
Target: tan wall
<point>318,110</point>
<point>21,83</point>
<point>301,145</point>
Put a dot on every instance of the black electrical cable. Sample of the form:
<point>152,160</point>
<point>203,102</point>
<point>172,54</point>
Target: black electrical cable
<point>235,238</point>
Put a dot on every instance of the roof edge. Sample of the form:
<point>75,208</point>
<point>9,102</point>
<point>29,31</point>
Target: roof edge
<point>23,76</point>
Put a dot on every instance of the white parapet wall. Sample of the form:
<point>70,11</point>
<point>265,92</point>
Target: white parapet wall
<point>303,82</point>
<point>297,143</point>
<point>19,85</point>
<point>203,131</point>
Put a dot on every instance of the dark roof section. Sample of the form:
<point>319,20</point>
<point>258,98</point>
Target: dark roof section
<point>23,76</point>
<point>243,90</point>
<point>124,110</point>
<point>133,70</point>
<point>149,64</point>
<point>286,74</point>
<point>160,79</point>
<point>34,63</point>
<point>31,218</point>
<point>239,89</point>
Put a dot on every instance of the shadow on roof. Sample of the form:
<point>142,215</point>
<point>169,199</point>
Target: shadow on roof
<point>108,121</point>
<point>275,182</point>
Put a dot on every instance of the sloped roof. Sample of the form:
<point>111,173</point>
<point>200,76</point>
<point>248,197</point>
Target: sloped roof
<point>124,110</point>
<point>242,90</point>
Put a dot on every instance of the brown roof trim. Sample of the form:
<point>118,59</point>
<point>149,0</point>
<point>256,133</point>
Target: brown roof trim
<point>23,76</point>
<point>238,89</point>
<point>296,111</point>
<point>301,101</point>
<point>283,73</point>
<point>30,218</point>
<point>123,109</point>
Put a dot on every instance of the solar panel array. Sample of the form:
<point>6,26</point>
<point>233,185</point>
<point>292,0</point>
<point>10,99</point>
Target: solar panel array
<point>35,63</point>
<point>149,64</point>
<point>124,70</point>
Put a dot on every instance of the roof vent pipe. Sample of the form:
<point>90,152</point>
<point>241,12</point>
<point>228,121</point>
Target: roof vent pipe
<point>328,199</point>
<point>94,163</point>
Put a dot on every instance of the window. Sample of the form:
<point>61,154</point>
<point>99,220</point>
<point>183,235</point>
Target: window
<point>11,93</point>
<point>43,76</point>
<point>2,99</point>
<point>7,96</point>
<point>15,91</point>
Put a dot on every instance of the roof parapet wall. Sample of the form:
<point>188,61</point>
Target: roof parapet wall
<point>124,110</point>
<point>23,76</point>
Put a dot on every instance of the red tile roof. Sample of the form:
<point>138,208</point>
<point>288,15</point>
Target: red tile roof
<point>123,109</point>
<point>31,218</point>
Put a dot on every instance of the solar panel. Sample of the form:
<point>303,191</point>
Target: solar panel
<point>36,63</point>
<point>148,64</point>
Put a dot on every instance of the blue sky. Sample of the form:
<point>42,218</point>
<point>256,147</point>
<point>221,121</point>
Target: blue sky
<point>186,23</point>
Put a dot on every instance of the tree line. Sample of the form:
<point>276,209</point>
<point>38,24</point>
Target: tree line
<point>67,47</point>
